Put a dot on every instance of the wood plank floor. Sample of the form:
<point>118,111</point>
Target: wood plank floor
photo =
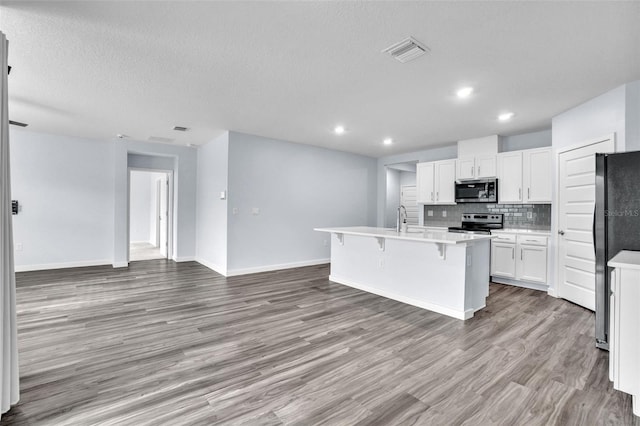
<point>166,343</point>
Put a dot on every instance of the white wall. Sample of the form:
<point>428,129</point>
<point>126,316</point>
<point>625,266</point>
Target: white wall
<point>632,116</point>
<point>393,197</point>
<point>297,188</point>
<point>211,214</point>
<point>140,207</point>
<point>407,178</point>
<point>530,140</point>
<point>65,187</point>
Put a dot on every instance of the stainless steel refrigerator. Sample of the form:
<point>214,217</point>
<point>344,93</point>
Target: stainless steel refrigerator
<point>616,224</point>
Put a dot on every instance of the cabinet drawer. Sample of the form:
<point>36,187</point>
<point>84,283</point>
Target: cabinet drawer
<point>504,238</point>
<point>532,240</point>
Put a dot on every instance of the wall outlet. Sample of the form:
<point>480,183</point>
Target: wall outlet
<point>529,215</point>
<point>18,246</point>
<point>444,213</point>
<point>223,195</point>
<point>325,243</point>
<point>429,213</point>
<point>255,211</point>
<point>235,211</point>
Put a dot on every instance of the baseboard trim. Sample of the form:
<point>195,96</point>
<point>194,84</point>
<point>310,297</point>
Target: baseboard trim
<point>63,265</point>
<point>185,259</point>
<point>523,284</point>
<point>552,292</point>
<point>120,264</point>
<point>462,315</point>
<point>215,268</point>
<point>277,267</point>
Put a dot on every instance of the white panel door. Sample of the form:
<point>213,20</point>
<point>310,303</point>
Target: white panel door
<point>510,177</point>
<point>446,182</point>
<point>537,176</point>
<point>576,200</point>
<point>409,201</point>
<point>425,191</point>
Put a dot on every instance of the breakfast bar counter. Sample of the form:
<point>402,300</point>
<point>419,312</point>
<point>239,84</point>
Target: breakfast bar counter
<point>443,272</point>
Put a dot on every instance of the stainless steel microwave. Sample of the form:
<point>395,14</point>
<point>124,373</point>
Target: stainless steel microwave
<point>477,191</point>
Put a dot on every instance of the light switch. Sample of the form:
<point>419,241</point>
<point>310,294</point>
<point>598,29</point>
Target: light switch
<point>444,213</point>
<point>235,211</point>
<point>429,212</point>
<point>223,195</point>
<point>255,211</point>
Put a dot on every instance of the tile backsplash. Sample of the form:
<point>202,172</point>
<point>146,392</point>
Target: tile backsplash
<point>530,216</point>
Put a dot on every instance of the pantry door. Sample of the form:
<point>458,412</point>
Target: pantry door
<point>576,201</point>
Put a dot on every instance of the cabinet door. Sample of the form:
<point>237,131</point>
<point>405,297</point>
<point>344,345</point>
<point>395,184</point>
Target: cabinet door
<point>537,176</point>
<point>425,188</point>
<point>510,177</point>
<point>531,264</point>
<point>486,166</point>
<point>445,182</point>
<point>466,168</point>
<point>503,260</point>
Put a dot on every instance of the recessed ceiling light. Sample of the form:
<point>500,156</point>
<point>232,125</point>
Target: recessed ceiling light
<point>506,116</point>
<point>339,130</point>
<point>387,141</point>
<point>121,136</point>
<point>465,92</point>
<point>180,128</point>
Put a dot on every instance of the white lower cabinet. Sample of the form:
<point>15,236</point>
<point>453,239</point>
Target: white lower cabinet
<point>624,325</point>
<point>519,257</point>
<point>503,259</point>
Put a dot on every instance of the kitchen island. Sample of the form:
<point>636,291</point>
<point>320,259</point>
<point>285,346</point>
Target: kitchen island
<point>443,272</point>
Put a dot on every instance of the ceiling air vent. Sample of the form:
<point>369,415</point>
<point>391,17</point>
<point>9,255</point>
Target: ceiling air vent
<point>180,128</point>
<point>17,123</point>
<point>406,50</point>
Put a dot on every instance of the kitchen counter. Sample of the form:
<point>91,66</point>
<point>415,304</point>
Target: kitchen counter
<point>441,271</point>
<point>412,234</point>
<point>543,232</point>
<point>625,259</point>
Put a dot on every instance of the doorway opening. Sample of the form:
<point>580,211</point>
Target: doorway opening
<point>401,190</point>
<point>149,214</point>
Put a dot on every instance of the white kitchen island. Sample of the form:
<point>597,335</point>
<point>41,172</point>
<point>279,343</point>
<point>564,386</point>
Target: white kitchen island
<point>443,272</point>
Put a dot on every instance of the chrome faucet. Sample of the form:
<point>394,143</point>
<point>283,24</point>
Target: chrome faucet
<point>399,218</point>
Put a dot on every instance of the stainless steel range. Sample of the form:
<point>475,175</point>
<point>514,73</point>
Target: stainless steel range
<point>479,223</point>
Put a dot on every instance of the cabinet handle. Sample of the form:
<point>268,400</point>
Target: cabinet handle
<point>519,193</point>
<point>528,193</point>
<point>513,252</point>
<point>472,171</point>
<point>521,250</point>
<point>437,195</point>
<point>478,170</point>
<point>431,195</point>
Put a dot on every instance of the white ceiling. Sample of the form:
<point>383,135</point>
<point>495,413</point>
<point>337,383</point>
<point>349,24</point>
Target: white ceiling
<point>293,70</point>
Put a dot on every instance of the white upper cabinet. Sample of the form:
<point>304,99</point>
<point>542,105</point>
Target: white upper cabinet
<point>486,166</point>
<point>466,168</point>
<point>476,167</point>
<point>510,177</point>
<point>445,182</point>
<point>536,176</point>
<point>425,184</point>
<point>435,182</point>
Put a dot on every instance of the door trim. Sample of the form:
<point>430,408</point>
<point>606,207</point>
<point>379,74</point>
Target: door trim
<point>170,207</point>
<point>554,291</point>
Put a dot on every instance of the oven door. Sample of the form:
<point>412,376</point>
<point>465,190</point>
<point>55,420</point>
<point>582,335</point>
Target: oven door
<point>477,191</point>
